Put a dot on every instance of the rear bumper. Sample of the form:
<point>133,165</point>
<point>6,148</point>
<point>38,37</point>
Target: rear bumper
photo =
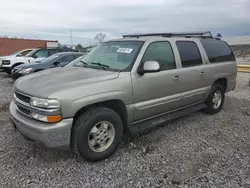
<point>54,136</point>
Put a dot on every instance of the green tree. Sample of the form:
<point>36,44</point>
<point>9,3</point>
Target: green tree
<point>219,35</point>
<point>79,46</point>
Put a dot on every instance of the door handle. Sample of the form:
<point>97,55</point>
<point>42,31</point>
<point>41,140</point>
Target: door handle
<point>202,73</point>
<point>176,78</point>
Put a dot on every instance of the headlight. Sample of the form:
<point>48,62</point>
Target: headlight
<point>44,103</point>
<point>25,71</point>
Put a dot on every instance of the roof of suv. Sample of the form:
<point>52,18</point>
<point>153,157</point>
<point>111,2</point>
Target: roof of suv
<point>152,36</point>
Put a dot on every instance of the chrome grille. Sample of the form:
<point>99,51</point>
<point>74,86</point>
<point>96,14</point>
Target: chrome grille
<point>5,62</point>
<point>23,110</point>
<point>22,97</point>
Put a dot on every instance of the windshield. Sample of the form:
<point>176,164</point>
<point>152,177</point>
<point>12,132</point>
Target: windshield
<point>114,55</point>
<point>49,59</point>
<point>30,54</point>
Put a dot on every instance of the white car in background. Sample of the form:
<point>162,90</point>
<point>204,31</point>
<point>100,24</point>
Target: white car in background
<point>16,54</point>
<point>35,55</point>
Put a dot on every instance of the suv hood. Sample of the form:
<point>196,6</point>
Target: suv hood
<point>29,65</point>
<point>45,83</point>
<point>4,57</point>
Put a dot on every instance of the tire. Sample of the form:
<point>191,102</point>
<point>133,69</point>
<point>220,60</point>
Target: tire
<point>213,108</point>
<point>84,125</point>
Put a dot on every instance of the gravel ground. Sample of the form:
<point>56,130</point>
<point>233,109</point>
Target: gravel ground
<point>5,90</point>
<point>199,150</point>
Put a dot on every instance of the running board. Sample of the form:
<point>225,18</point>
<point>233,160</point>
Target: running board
<point>157,121</point>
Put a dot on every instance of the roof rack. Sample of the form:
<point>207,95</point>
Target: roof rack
<point>206,34</point>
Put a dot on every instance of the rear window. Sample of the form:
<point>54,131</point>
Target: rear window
<point>217,51</point>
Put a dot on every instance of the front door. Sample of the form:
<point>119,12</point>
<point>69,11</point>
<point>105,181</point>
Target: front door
<point>160,92</point>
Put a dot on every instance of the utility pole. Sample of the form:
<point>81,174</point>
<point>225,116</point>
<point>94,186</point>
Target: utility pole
<point>71,38</point>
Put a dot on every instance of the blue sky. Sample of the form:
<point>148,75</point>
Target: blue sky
<point>53,19</point>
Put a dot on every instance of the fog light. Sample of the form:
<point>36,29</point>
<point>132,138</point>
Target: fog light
<point>45,118</point>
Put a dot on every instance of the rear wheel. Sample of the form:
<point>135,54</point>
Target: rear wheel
<point>215,100</point>
<point>97,134</point>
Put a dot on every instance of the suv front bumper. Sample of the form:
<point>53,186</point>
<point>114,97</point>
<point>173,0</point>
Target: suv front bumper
<point>55,136</point>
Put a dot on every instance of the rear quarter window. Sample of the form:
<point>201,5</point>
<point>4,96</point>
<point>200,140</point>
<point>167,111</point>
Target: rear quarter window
<point>217,51</point>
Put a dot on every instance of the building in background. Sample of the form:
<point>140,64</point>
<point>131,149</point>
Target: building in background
<point>11,45</point>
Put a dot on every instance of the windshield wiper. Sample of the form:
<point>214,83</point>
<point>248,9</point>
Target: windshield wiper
<point>101,65</point>
<point>83,62</point>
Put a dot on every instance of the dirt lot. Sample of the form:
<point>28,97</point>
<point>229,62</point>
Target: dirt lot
<point>195,151</point>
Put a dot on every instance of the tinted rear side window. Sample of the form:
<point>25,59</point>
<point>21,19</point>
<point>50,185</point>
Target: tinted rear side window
<point>217,51</point>
<point>190,54</point>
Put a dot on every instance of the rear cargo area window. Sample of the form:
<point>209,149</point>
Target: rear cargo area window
<point>217,51</point>
<point>189,53</point>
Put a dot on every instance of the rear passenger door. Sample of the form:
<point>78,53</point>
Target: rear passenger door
<point>159,92</point>
<point>192,73</point>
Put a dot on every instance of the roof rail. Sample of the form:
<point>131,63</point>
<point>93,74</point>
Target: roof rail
<point>206,34</point>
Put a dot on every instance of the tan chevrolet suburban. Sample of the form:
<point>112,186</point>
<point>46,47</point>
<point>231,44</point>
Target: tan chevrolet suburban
<point>129,84</point>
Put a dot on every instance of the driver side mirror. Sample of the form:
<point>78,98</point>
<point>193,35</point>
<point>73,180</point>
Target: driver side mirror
<point>34,56</point>
<point>149,67</point>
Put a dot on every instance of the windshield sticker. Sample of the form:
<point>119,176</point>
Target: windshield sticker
<point>125,50</point>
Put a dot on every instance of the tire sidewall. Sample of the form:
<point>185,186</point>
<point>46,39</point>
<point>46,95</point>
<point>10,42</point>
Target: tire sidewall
<point>216,87</point>
<point>83,134</point>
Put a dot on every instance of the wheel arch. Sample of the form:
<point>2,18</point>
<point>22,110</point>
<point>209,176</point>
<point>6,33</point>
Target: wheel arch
<point>116,105</point>
<point>16,64</point>
<point>222,82</point>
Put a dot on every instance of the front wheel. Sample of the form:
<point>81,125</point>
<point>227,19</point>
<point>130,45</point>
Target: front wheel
<point>215,99</point>
<point>97,134</point>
